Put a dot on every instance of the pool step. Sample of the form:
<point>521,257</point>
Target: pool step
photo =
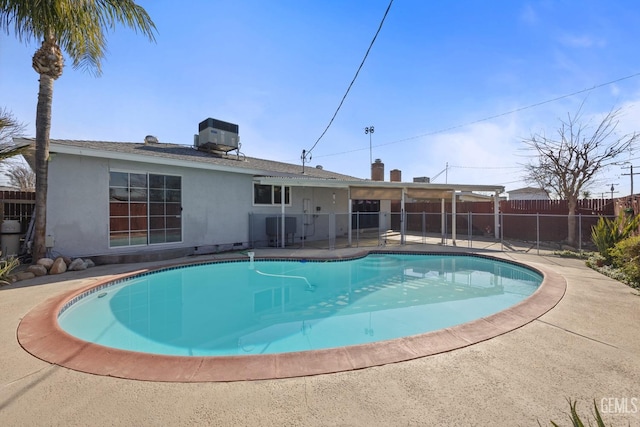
<point>381,262</point>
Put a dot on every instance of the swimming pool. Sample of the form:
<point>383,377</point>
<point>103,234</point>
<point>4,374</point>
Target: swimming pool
<point>282,306</point>
<point>40,334</point>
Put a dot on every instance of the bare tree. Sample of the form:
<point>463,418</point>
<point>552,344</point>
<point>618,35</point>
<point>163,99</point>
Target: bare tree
<point>9,129</point>
<point>568,163</point>
<point>21,177</point>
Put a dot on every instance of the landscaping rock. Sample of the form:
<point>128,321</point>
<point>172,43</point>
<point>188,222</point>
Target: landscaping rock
<point>67,260</point>
<point>24,275</point>
<point>89,263</point>
<point>58,267</point>
<point>38,270</point>
<point>77,264</point>
<point>46,262</point>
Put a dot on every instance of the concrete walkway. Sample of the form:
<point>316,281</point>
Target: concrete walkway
<point>586,348</point>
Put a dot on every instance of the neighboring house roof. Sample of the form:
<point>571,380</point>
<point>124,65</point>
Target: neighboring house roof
<point>528,193</point>
<point>469,196</point>
<point>528,190</point>
<point>183,155</point>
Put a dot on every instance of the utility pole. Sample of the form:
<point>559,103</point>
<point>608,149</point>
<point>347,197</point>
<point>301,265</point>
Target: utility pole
<point>631,175</point>
<point>305,157</point>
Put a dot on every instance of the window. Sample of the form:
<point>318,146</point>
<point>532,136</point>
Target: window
<point>270,194</point>
<point>144,209</point>
<point>165,209</point>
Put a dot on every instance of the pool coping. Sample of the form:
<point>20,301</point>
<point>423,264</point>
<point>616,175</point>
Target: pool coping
<point>40,335</point>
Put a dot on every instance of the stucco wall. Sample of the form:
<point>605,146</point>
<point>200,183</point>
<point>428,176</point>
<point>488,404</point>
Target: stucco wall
<point>77,205</point>
<point>216,206</point>
<point>312,224</point>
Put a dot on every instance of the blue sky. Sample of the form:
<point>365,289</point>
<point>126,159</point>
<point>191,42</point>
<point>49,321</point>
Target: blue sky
<point>435,76</point>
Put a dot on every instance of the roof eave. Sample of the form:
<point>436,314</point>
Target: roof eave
<point>335,183</point>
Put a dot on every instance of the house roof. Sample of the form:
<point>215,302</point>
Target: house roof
<point>264,171</point>
<point>183,155</point>
<point>528,190</point>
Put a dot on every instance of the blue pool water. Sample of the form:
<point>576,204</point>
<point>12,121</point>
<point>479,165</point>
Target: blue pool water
<point>238,308</point>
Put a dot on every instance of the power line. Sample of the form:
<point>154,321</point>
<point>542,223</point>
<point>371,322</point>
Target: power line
<point>495,116</point>
<point>630,174</point>
<point>485,167</point>
<point>537,104</point>
<point>352,81</point>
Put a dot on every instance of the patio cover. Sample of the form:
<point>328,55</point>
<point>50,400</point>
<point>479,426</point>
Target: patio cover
<point>384,190</point>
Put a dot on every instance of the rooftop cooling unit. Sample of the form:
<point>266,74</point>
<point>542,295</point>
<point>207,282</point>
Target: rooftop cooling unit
<point>217,135</point>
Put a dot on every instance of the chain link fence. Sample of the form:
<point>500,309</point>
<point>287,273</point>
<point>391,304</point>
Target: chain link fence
<point>523,232</point>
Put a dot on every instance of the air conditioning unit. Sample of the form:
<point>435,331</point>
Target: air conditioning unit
<point>217,135</point>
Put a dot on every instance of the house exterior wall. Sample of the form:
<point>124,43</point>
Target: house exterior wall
<point>312,224</point>
<point>216,207</point>
<point>77,205</point>
<point>385,217</point>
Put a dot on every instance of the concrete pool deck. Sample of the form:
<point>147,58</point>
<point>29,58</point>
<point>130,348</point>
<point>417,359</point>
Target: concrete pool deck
<point>586,348</point>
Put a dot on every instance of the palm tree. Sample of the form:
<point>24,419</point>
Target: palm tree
<point>77,28</point>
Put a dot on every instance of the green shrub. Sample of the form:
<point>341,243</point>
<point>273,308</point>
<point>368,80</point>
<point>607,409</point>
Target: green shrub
<point>625,255</point>
<point>572,254</point>
<point>6,267</point>
<point>606,233</point>
<point>595,260</point>
<point>575,419</point>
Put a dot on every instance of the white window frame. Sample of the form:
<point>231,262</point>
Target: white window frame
<point>148,214</point>
<point>273,187</point>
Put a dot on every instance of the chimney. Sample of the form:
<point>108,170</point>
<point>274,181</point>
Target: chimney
<point>395,175</point>
<point>377,170</point>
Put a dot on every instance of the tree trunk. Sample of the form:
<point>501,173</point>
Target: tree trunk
<point>43,129</point>
<point>571,222</point>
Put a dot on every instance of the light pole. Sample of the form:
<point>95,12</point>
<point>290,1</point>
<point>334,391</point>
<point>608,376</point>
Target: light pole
<point>369,130</point>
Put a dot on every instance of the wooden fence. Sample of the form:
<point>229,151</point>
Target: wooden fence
<point>528,220</point>
<point>550,207</point>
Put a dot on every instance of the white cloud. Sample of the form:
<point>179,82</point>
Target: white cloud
<point>581,41</point>
<point>482,153</point>
<point>529,15</point>
<point>614,90</point>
